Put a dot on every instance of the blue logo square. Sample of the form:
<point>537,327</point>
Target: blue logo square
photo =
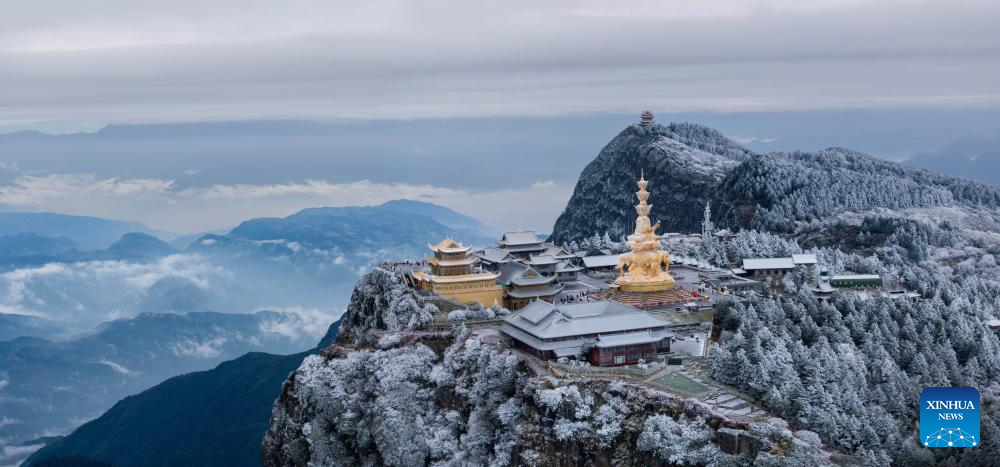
<point>949,417</point>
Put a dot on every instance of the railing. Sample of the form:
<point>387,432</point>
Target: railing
<point>441,326</point>
<point>581,370</point>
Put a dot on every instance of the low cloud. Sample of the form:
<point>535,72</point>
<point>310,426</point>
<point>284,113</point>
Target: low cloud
<point>86,293</point>
<point>205,349</point>
<point>10,453</point>
<point>298,323</point>
<point>160,203</point>
<point>115,366</point>
<point>753,139</point>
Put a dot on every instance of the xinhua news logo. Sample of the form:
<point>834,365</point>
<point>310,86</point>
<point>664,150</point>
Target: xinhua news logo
<point>949,417</point>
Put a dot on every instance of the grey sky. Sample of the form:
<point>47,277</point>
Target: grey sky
<point>754,69</point>
<point>65,63</point>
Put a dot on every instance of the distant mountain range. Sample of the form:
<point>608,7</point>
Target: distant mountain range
<point>214,417</point>
<point>89,233</point>
<point>31,249</point>
<point>398,229</point>
<point>49,385</point>
<point>973,157</point>
<point>305,263</point>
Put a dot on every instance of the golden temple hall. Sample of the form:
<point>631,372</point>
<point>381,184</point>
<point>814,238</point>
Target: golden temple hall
<point>453,274</point>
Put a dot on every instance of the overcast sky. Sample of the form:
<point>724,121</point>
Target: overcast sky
<point>69,65</point>
<point>75,61</point>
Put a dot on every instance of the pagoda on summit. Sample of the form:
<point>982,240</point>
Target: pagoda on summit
<point>646,118</point>
<point>645,268</point>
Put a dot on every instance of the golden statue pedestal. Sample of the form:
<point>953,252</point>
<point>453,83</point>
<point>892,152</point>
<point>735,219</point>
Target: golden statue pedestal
<point>644,286</point>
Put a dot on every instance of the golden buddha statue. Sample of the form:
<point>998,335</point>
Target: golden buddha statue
<point>645,268</point>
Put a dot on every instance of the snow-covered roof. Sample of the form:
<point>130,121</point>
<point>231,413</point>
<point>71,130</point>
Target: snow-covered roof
<point>467,261</point>
<point>520,237</point>
<point>856,277</point>
<point>805,258</point>
<point>566,266</point>
<point>562,348</point>
<point>601,261</point>
<point>738,271</point>
<point>553,250</point>
<point>545,320</point>
<point>530,277</point>
<point>493,255</point>
<point>542,260</point>
<point>751,264</point>
<point>632,338</point>
<point>511,270</point>
<point>448,246</point>
<point>536,292</point>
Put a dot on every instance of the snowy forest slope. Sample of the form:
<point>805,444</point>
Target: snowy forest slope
<point>386,394</point>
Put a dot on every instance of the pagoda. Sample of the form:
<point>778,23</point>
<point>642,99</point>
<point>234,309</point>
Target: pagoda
<point>646,268</point>
<point>453,274</point>
<point>646,118</point>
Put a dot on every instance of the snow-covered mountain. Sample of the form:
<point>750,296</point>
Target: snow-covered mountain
<point>683,162</point>
<point>383,394</point>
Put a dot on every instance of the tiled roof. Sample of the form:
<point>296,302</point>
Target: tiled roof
<point>493,255</point>
<point>602,261</point>
<point>537,292</point>
<point>521,237</point>
<point>632,338</point>
<point>807,258</point>
<point>751,264</point>
<point>548,321</point>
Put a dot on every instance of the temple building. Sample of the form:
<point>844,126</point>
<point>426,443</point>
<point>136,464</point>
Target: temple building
<point>492,259</point>
<point>454,274</point>
<point>606,333</point>
<point>524,246</point>
<point>646,268</point>
<point>646,118</point>
<point>524,284</point>
<point>522,243</point>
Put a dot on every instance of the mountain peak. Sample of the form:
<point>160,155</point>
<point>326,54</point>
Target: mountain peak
<point>682,161</point>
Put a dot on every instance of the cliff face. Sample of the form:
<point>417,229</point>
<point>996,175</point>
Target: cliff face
<point>684,163</point>
<point>381,301</point>
<point>407,398</point>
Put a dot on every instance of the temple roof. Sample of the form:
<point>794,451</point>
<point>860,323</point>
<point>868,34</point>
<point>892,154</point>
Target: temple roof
<point>548,321</point>
<point>600,261</point>
<point>632,338</point>
<point>448,246</point>
<point>806,258</point>
<point>520,274</point>
<point>493,255</point>
<point>553,250</point>
<point>520,237</point>
<point>566,266</point>
<point>751,264</point>
<point>530,277</point>
<point>542,260</point>
<point>467,261</point>
<point>539,292</point>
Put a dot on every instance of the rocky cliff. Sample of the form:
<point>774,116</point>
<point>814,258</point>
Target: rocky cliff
<point>404,397</point>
